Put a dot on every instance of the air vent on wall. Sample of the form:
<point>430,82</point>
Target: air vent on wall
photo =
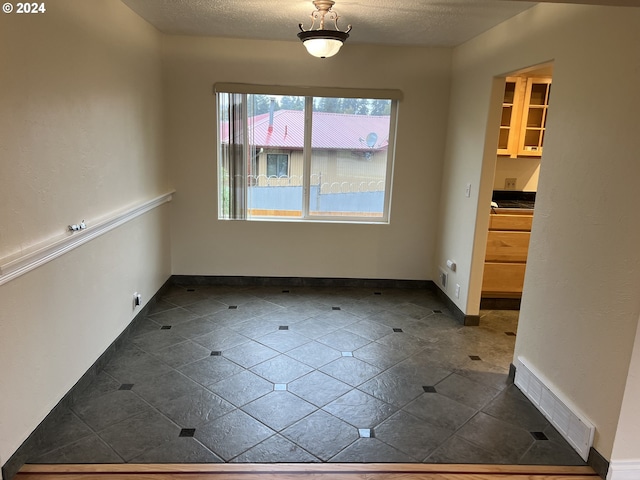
<point>573,426</point>
<point>443,278</point>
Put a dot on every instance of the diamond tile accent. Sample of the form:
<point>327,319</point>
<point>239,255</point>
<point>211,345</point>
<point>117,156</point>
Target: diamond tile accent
<point>256,375</point>
<point>539,435</point>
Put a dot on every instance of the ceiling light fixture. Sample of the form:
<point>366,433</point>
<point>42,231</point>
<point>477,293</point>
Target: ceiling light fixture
<point>320,42</point>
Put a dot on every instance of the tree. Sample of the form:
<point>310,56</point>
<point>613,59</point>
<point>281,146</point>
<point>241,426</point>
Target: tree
<point>292,103</point>
<point>362,107</point>
<point>259,104</point>
<point>328,104</point>
<point>350,106</point>
<point>381,107</point>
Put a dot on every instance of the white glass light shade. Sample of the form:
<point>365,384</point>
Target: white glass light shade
<point>323,43</point>
<point>322,47</point>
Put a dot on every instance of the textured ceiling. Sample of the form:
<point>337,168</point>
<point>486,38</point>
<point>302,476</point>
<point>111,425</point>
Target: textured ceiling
<point>392,22</point>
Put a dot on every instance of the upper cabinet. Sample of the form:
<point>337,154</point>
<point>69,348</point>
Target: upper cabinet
<point>524,116</point>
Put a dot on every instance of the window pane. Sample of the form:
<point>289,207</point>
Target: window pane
<point>350,140</point>
<point>276,126</point>
<point>277,165</point>
<point>264,168</point>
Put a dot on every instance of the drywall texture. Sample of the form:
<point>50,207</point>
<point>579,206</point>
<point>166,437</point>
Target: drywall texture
<point>580,306</point>
<point>81,124</point>
<point>524,170</point>
<point>626,447</point>
<point>82,101</point>
<point>203,245</point>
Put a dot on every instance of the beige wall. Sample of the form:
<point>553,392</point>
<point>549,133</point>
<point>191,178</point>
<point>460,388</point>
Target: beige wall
<point>200,242</point>
<point>580,306</point>
<point>626,447</point>
<point>525,170</point>
<point>81,137</point>
<point>81,124</point>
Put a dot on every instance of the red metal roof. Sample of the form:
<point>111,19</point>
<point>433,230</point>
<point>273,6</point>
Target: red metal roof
<point>330,130</point>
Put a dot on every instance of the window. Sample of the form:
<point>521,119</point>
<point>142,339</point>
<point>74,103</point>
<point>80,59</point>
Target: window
<point>277,165</point>
<point>285,155</point>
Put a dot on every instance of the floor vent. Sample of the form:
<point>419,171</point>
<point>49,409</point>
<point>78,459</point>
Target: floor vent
<point>576,429</point>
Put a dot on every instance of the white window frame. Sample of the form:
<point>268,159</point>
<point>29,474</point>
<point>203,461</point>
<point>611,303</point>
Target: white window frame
<point>309,93</point>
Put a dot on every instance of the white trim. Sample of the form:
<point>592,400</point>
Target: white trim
<point>12,267</point>
<point>562,413</point>
<point>624,470</point>
<point>302,91</point>
<point>306,159</point>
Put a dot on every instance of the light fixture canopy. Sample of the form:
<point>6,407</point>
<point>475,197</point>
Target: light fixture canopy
<point>321,42</point>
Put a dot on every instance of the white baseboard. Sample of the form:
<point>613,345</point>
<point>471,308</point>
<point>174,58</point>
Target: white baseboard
<point>564,416</point>
<point>624,470</point>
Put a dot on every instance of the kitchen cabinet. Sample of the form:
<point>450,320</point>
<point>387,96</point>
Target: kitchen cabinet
<point>524,116</point>
<point>506,255</point>
<point>511,116</point>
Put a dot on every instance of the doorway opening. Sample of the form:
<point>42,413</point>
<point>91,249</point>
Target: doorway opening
<point>520,107</point>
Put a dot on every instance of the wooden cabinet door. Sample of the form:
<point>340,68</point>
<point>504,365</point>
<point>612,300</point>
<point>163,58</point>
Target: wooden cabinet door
<point>534,116</point>
<point>511,247</point>
<point>506,279</point>
<point>511,116</point>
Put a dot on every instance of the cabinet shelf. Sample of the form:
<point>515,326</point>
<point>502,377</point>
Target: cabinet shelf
<point>536,104</point>
<point>524,116</point>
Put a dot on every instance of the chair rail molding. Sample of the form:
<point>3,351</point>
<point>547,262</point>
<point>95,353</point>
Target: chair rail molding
<point>14,266</point>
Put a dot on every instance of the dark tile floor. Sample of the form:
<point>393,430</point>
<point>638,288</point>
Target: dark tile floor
<point>284,374</point>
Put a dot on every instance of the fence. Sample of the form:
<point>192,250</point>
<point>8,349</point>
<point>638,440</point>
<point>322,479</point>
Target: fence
<point>321,199</point>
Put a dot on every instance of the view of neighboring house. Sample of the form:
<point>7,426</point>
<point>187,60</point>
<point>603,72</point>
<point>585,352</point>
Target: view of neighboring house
<point>348,161</point>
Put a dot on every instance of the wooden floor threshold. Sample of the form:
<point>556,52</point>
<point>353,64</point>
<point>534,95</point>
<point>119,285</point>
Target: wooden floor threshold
<point>321,471</point>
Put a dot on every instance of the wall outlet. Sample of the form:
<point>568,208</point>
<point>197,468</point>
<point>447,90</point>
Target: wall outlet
<point>467,190</point>
<point>510,183</point>
<point>457,290</point>
<point>137,300</point>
